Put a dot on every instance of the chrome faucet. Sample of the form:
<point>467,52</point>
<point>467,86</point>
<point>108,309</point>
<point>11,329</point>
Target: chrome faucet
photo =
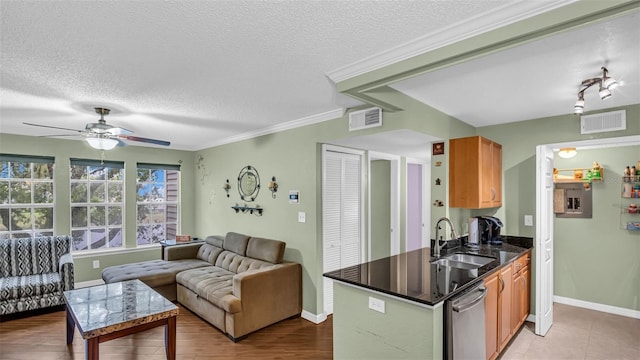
<point>437,248</point>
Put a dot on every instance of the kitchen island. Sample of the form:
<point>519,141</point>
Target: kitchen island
<point>392,308</point>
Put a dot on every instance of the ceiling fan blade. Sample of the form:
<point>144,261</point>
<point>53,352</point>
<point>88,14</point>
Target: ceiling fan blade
<point>119,131</point>
<point>52,127</point>
<point>58,135</point>
<point>145,140</point>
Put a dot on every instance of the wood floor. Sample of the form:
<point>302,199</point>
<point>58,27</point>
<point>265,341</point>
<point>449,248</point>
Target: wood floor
<point>42,337</point>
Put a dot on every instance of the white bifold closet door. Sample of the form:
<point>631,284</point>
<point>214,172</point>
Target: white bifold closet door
<point>341,216</point>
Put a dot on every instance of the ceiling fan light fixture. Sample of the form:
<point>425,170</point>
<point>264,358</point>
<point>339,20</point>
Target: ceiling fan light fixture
<point>102,143</point>
<point>567,152</point>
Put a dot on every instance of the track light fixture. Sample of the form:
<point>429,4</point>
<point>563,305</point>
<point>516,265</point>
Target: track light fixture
<point>605,83</point>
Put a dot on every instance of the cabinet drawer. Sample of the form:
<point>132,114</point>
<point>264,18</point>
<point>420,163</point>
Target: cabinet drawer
<point>521,262</point>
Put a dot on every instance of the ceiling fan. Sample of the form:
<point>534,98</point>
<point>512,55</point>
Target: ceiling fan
<point>103,136</point>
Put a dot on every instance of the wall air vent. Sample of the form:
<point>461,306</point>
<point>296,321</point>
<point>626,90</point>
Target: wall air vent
<point>365,119</point>
<point>603,122</point>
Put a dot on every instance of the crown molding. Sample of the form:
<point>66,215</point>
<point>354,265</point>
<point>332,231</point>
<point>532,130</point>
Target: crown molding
<point>309,120</point>
<point>505,15</point>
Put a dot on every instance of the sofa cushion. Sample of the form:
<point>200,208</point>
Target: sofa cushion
<point>236,242</point>
<point>5,257</point>
<point>153,273</point>
<point>236,264</point>
<point>266,249</point>
<point>215,240</point>
<point>213,284</point>
<point>16,287</point>
<point>208,253</point>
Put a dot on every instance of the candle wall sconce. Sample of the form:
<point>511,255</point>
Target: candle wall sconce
<point>226,187</point>
<point>273,187</point>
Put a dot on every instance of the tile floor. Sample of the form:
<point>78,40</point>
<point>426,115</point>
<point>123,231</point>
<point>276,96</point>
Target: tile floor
<point>578,333</point>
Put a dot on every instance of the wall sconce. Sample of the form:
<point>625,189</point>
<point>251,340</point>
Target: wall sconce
<point>273,187</point>
<point>567,152</point>
<point>226,187</point>
<point>606,84</point>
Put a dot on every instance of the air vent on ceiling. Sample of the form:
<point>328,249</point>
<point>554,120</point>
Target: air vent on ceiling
<point>365,119</point>
<point>603,122</point>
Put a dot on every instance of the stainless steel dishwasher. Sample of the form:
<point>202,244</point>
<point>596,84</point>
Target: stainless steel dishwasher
<point>465,324</point>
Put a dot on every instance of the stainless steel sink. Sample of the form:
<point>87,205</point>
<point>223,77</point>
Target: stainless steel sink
<point>463,261</point>
<point>455,264</point>
<point>470,259</point>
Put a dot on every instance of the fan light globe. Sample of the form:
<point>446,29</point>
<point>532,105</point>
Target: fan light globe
<point>102,143</point>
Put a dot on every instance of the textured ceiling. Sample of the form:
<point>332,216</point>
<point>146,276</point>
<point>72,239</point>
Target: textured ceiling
<point>199,73</point>
<point>538,79</point>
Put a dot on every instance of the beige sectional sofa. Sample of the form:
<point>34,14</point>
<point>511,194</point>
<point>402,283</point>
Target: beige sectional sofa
<point>237,283</point>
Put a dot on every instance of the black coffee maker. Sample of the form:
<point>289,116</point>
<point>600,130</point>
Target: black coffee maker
<point>489,229</point>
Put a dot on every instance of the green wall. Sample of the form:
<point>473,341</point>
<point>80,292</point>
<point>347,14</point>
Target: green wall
<point>519,141</point>
<point>597,260</point>
<point>380,178</point>
<point>63,150</point>
<point>405,331</point>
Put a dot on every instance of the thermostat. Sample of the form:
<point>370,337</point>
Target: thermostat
<point>294,197</point>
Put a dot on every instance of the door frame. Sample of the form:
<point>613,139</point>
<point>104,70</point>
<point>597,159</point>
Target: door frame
<point>546,211</point>
<point>333,148</point>
<point>426,199</point>
<point>395,200</point>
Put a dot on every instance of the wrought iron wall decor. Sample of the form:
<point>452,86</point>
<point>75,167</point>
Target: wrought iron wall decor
<point>248,183</point>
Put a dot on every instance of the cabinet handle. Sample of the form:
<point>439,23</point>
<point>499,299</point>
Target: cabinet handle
<point>525,282</point>
<point>493,194</point>
<point>502,282</point>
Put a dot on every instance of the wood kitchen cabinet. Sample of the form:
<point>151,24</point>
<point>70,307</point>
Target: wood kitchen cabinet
<point>498,309</point>
<point>504,307</point>
<point>491,315</point>
<point>475,173</point>
<point>521,291</point>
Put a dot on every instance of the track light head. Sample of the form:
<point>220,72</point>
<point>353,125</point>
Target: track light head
<point>604,93</point>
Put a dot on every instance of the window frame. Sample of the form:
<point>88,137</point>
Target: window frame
<point>174,186</point>
<point>88,228</point>
<point>33,181</point>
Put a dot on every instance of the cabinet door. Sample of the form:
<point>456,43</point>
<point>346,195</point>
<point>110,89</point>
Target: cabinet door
<point>526,293</point>
<point>496,169</point>
<point>475,173</point>
<point>516,303</point>
<point>504,306</point>
<point>491,315</point>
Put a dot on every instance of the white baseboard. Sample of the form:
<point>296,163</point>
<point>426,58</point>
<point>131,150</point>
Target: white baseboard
<point>531,318</point>
<point>85,284</point>
<point>597,307</point>
<point>316,319</point>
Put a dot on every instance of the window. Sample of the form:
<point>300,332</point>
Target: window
<point>26,196</point>
<point>157,197</point>
<point>97,198</point>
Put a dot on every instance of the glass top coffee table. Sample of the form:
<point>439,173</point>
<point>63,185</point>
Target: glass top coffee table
<point>106,312</point>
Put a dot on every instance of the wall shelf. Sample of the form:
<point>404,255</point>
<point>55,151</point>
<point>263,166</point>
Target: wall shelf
<point>577,175</point>
<point>254,210</point>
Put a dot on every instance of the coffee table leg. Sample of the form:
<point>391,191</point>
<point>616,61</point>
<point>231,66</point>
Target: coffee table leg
<point>91,348</point>
<point>170,338</point>
<point>71,325</point>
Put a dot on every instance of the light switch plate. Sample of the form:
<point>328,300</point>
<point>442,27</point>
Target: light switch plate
<point>528,220</point>
<point>96,264</point>
<point>302,216</point>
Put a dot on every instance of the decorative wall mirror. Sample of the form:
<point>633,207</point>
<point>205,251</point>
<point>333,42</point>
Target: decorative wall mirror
<point>248,183</point>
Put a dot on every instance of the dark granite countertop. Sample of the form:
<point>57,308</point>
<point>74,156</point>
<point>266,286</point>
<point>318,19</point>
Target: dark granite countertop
<point>412,276</point>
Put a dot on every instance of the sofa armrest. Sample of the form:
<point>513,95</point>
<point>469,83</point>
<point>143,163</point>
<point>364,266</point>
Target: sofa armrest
<point>180,252</point>
<point>65,268</point>
<point>274,291</point>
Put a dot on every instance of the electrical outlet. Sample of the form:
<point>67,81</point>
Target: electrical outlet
<point>302,216</point>
<point>96,264</point>
<point>376,304</point>
<point>528,220</point>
